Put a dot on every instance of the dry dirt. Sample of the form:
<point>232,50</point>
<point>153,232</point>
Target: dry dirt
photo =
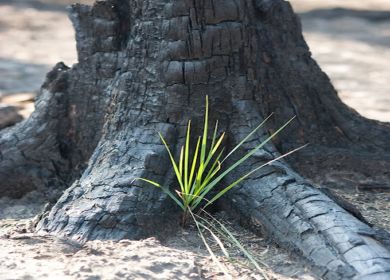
<point>352,45</point>
<point>26,255</point>
<point>352,48</point>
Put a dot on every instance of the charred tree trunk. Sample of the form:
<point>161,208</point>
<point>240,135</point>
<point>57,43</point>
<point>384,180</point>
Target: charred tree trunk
<point>146,66</point>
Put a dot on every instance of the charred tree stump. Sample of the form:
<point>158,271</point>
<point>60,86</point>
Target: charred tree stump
<point>146,66</point>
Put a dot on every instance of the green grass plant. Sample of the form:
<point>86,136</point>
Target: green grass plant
<point>200,173</point>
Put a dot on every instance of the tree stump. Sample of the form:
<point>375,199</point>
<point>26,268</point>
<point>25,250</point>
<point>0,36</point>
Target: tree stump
<point>146,66</point>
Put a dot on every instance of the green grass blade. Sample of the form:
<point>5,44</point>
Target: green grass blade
<point>247,137</point>
<point>200,173</point>
<point>165,190</point>
<point>194,160</point>
<point>214,135</point>
<point>174,165</point>
<point>213,150</point>
<point>186,156</point>
<point>150,182</point>
<point>204,143</point>
<point>181,162</point>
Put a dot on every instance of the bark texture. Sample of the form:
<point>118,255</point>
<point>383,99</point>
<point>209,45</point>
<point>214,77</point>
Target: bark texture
<point>146,66</point>
<point>9,115</point>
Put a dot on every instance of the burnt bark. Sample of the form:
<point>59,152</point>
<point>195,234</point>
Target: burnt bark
<point>146,66</point>
<point>9,115</point>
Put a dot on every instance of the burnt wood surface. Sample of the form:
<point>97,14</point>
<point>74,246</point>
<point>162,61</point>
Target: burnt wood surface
<point>146,66</point>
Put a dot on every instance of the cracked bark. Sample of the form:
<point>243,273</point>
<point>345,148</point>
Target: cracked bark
<point>146,66</point>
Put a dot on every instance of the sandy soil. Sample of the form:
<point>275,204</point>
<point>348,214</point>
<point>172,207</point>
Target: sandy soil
<point>26,255</point>
<point>308,5</point>
<point>353,49</point>
<point>35,34</point>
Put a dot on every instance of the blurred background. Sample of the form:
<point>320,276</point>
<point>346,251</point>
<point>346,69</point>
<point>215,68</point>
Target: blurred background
<point>350,39</point>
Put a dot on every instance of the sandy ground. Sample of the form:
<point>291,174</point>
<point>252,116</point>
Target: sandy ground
<point>26,255</point>
<point>353,49</point>
<point>308,5</point>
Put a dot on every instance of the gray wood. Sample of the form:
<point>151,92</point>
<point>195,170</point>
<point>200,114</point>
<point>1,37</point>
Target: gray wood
<point>9,115</point>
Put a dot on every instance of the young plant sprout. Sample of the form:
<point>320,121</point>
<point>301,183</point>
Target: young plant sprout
<point>199,174</point>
